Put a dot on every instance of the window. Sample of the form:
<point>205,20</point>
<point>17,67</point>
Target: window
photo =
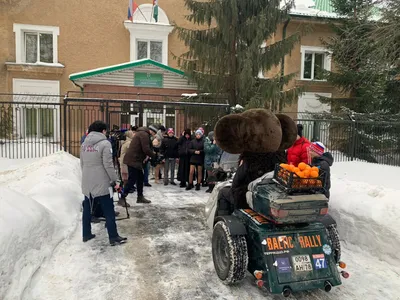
<point>36,120</point>
<point>39,122</point>
<point>38,47</point>
<point>313,61</point>
<point>150,49</point>
<point>36,44</point>
<point>149,39</point>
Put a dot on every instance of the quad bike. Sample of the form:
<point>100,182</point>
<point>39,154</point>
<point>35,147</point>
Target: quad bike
<point>285,239</point>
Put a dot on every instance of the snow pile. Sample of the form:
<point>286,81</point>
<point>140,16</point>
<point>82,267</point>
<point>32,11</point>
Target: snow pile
<point>364,201</point>
<point>40,202</point>
<point>168,253</point>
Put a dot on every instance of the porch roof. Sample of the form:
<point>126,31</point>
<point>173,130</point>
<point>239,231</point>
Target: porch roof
<point>123,66</point>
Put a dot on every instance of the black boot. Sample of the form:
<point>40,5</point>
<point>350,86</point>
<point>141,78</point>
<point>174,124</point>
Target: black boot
<point>210,188</point>
<point>117,240</point>
<point>189,187</point>
<point>88,238</point>
<point>197,187</point>
<point>182,185</point>
<point>142,199</point>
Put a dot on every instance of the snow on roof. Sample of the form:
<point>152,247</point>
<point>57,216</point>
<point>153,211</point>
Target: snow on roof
<point>320,9</point>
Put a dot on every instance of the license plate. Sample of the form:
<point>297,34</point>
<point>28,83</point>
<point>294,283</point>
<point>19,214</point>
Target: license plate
<point>302,263</point>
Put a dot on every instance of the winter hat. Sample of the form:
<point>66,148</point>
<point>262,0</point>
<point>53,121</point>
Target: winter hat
<point>187,131</point>
<point>317,147</point>
<point>198,131</point>
<point>300,130</point>
<point>211,136</point>
<point>170,130</point>
<point>162,128</point>
<point>153,128</point>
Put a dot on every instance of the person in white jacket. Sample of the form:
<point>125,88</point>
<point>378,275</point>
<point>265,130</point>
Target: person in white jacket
<point>98,177</point>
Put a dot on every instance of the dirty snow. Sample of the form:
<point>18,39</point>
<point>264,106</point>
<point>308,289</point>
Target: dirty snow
<point>168,253</point>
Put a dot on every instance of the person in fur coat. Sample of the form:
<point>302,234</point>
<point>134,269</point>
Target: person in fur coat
<point>125,145</point>
<point>261,138</point>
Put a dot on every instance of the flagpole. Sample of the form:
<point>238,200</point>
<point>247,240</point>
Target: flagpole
<point>142,14</point>
<point>152,12</point>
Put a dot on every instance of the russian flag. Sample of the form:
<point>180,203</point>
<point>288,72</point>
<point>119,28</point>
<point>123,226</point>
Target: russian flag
<point>131,9</point>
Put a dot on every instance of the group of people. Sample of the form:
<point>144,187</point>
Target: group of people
<point>195,154</point>
<point>156,144</point>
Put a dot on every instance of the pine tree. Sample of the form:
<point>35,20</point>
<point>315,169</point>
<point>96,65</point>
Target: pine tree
<point>368,83</point>
<point>360,77</point>
<point>386,35</point>
<point>225,54</point>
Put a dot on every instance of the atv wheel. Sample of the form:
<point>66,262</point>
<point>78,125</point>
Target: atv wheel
<point>334,237</point>
<point>229,254</point>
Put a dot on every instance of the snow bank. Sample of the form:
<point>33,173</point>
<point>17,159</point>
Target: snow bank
<point>40,201</point>
<point>364,201</point>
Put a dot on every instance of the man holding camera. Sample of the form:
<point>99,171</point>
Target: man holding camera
<point>98,180</point>
<point>135,158</point>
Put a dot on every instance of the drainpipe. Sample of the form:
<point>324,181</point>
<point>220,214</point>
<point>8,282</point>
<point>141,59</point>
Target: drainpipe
<point>284,37</point>
<point>283,56</point>
<point>79,86</point>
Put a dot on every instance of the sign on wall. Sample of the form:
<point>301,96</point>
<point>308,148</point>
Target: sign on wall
<point>148,79</point>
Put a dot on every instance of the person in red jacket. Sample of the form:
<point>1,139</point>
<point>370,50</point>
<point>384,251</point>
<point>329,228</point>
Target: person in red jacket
<point>298,152</point>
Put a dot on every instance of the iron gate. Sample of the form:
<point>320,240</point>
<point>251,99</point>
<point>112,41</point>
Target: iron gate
<point>123,112</point>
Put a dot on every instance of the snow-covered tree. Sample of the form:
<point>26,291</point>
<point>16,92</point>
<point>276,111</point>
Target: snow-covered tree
<point>225,55</point>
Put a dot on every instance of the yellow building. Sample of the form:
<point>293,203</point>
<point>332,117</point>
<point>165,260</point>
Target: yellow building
<point>76,45</point>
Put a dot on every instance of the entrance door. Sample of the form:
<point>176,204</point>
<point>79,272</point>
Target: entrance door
<point>40,119</point>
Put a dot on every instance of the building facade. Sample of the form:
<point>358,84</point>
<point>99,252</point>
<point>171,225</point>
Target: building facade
<point>82,46</point>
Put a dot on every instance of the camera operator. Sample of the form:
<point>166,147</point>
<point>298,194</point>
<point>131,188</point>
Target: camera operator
<point>98,176</point>
<point>135,158</point>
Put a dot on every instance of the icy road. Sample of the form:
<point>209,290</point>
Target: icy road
<point>168,256</point>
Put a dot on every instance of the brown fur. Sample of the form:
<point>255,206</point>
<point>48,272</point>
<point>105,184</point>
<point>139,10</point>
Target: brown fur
<point>289,131</point>
<point>255,130</point>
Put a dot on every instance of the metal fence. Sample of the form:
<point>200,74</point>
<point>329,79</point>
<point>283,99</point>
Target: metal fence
<point>349,140</point>
<point>30,125</point>
<point>123,110</point>
<point>38,125</point>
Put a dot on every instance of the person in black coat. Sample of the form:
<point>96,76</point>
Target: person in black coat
<point>196,151</point>
<point>251,167</point>
<point>169,149</point>
<point>184,157</point>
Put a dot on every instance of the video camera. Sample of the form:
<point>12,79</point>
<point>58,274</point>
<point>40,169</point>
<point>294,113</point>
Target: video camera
<point>117,134</point>
<point>157,161</point>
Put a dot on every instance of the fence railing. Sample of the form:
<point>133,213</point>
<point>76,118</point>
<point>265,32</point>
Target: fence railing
<point>38,125</point>
<point>347,140</point>
<point>30,125</point>
<point>122,112</point>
